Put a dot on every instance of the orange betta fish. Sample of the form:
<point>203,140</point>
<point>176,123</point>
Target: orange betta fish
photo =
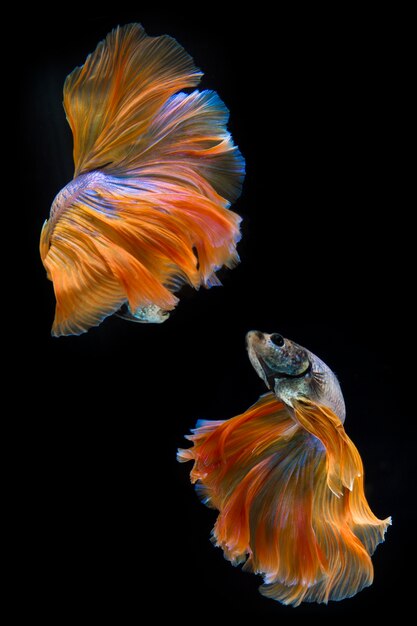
<point>288,482</point>
<point>155,173</point>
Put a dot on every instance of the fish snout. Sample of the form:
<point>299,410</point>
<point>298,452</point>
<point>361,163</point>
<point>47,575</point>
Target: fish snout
<point>253,337</point>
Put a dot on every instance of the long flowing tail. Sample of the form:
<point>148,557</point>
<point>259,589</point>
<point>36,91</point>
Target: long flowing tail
<point>273,474</point>
<point>155,173</point>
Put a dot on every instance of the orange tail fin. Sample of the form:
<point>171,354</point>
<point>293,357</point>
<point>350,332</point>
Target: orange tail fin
<point>111,99</point>
<point>155,172</point>
<point>269,478</point>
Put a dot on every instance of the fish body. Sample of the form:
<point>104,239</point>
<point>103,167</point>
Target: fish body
<point>288,482</point>
<point>155,174</point>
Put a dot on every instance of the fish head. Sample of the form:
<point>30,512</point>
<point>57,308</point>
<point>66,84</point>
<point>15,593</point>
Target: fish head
<point>281,363</point>
<point>292,372</point>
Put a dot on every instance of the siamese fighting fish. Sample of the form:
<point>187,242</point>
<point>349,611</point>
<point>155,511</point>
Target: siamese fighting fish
<point>288,482</point>
<point>155,174</point>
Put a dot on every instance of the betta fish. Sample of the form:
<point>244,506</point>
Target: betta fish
<point>288,482</point>
<point>155,174</point>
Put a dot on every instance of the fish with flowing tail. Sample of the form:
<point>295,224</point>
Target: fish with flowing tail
<point>288,482</point>
<point>155,173</point>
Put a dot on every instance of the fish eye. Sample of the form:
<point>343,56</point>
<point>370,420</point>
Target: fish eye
<point>277,340</point>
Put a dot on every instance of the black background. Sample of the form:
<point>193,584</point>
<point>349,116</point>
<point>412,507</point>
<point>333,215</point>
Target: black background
<point>317,108</point>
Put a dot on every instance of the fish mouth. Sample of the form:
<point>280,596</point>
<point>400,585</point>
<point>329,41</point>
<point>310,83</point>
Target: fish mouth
<point>272,375</point>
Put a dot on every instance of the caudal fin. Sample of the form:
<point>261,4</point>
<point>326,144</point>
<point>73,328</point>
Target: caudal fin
<point>155,172</point>
<point>128,119</point>
<point>111,99</point>
<point>269,479</point>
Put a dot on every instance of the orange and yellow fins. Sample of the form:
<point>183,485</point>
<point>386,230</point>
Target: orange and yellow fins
<point>155,173</point>
<point>98,262</point>
<point>269,478</point>
<point>111,99</point>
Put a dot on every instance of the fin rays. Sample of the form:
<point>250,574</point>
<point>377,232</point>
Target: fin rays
<point>155,172</point>
<point>110,100</point>
<point>274,480</point>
